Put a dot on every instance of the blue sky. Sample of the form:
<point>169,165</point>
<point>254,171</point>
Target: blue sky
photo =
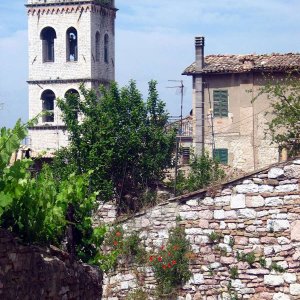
<point>155,40</point>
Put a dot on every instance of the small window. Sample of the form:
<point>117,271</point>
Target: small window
<point>221,103</point>
<point>72,97</point>
<point>185,155</point>
<point>106,46</point>
<point>48,98</point>
<point>97,46</point>
<point>221,155</point>
<point>72,44</point>
<point>48,35</point>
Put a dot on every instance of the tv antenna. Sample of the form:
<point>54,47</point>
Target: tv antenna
<point>181,87</point>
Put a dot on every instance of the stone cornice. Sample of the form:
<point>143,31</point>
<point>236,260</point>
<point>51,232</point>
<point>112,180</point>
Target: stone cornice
<point>69,7</point>
<point>59,81</point>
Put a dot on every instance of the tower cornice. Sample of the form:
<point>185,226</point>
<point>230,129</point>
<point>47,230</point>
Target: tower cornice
<point>70,2</point>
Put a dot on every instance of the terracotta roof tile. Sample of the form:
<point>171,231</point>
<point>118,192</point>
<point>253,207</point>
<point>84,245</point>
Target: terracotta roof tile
<point>246,63</point>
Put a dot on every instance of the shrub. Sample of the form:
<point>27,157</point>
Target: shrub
<point>171,263</point>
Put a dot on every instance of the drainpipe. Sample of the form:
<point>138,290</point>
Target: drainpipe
<point>198,105</point>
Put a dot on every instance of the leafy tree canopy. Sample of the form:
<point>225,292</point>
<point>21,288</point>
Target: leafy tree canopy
<point>119,136</point>
<point>284,126</point>
<point>37,209</point>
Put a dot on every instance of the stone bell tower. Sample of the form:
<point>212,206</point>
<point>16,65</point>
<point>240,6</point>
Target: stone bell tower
<point>70,42</point>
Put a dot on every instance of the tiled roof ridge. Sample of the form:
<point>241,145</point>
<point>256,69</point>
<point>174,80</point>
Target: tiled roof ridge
<point>241,63</point>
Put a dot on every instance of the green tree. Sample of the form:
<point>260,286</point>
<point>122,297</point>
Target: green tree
<point>121,137</point>
<point>36,209</point>
<point>284,126</point>
<point>204,171</point>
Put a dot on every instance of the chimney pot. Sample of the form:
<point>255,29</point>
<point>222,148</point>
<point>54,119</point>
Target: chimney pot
<point>199,41</point>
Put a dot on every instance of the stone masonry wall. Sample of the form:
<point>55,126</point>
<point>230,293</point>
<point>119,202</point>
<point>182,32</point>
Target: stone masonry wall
<point>259,213</point>
<point>32,273</point>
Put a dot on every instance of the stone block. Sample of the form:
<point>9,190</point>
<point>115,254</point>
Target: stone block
<point>198,278</point>
<point>265,188</point>
<point>247,213</point>
<point>219,214</point>
<point>281,296</point>
<point>193,202</point>
<point>230,215</point>
<point>295,289</point>
<point>238,201</point>
<point>277,225</point>
<point>290,277</point>
<point>295,231</point>
<point>286,188</point>
<point>222,201</point>
<point>273,280</point>
<point>292,171</point>
<point>247,188</point>
<point>255,201</point>
<point>273,201</point>
<point>275,173</point>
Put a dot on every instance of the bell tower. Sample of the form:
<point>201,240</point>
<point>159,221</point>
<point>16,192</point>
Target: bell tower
<point>70,42</point>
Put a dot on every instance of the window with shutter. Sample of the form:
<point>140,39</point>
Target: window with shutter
<point>221,155</point>
<point>220,103</point>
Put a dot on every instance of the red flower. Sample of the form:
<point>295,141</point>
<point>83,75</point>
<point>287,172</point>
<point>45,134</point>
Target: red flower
<point>159,259</point>
<point>151,258</point>
<point>162,247</point>
<point>173,262</point>
<point>115,243</point>
<point>118,233</point>
<point>164,267</point>
<point>169,253</point>
<point>169,265</point>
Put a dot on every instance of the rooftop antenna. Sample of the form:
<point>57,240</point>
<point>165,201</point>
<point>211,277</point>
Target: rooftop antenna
<point>181,87</point>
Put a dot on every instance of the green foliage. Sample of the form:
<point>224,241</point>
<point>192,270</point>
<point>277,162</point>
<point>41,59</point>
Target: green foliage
<point>36,208</point>
<point>232,293</point>
<point>171,263</point>
<point>128,248</point>
<point>234,272</point>
<point>121,137</point>
<point>214,237</point>
<point>285,111</point>
<point>277,268</point>
<point>138,294</point>
<point>204,171</point>
<point>262,262</point>
<point>246,257</point>
<point>231,241</point>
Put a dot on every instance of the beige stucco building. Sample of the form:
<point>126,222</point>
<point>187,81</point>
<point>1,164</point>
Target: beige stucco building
<point>225,119</point>
<point>70,42</point>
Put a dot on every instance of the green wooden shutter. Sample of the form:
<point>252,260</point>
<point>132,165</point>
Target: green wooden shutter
<point>220,103</point>
<point>221,155</point>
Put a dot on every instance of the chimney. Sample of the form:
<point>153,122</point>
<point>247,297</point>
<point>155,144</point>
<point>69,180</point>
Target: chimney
<point>199,47</point>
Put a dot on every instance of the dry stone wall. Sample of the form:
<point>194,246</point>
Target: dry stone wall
<point>32,273</point>
<point>255,215</point>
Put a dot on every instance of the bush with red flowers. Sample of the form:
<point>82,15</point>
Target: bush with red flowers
<point>171,263</point>
<point>128,248</point>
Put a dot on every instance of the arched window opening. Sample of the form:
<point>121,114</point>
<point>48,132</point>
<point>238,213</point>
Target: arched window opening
<point>72,97</point>
<point>48,35</point>
<point>72,44</point>
<point>97,46</point>
<point>106,52</point>
<point>48,98</point>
